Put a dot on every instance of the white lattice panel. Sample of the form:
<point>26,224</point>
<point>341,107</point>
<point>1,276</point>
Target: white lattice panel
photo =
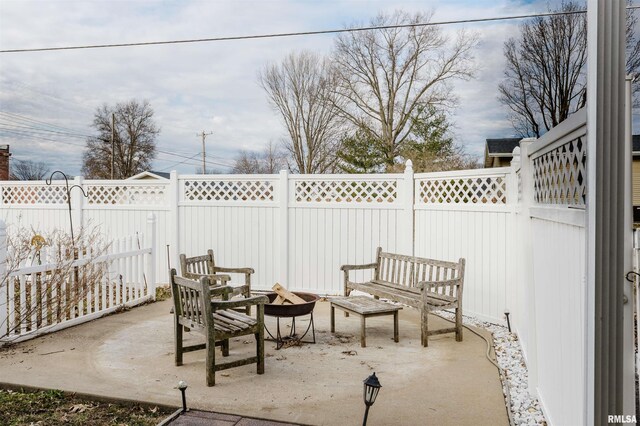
<point>346,191</point>
<point>33,194</point>
<point>125,194</point>
<point>559,176</point>
<point>463,190</point>
<point>212,190</point>
<point>519,180</point>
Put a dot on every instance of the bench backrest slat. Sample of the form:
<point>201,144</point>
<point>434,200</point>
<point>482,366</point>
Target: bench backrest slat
<point>408,271</point>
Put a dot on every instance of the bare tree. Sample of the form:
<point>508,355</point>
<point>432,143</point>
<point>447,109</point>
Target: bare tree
<point>28,170</point>
<point>545,77</point>
<point>271,160</point>
<point>135,141</point>
<point>300,88</point>
<point>384,75</point>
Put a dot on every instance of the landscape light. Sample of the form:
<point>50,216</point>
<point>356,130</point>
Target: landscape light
<point>371,388</point>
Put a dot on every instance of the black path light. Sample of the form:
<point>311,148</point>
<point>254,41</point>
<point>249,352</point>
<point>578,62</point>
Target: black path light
<point>371,388</point>
<point>182,385</point>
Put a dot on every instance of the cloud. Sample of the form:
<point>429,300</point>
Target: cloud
<point>205,86</point>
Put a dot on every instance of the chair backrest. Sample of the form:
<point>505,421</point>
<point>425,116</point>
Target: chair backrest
<point>191,301</point>
<point>194,267</point>
<point>410,270</point>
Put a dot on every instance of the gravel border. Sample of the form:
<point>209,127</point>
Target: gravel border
<point>524,408</point>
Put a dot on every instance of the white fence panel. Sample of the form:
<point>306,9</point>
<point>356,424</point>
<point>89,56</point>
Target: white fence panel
<point>236,216</point>
<point>341,219</point>
<point>559,273</point>
<point>466,214</point>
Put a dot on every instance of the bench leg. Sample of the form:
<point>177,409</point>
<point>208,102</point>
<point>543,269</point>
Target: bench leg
<point>225,347</point>
<point>395,327</point>
<point>333,319</point>
<point>458,324</point>
<point>363,338</point>
<point>424,336</point>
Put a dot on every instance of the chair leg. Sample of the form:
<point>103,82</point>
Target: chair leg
<point>211,362</point>
<point>260,350</point>
<point>458,324</point>
<point>424,335</point>
<point>178,343</point>
<point>225,347</point>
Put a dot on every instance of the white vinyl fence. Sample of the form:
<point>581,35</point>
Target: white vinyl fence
<point>50,290</point>
<point>299,229</point>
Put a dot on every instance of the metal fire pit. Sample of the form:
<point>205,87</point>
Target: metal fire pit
<point>291,311</point>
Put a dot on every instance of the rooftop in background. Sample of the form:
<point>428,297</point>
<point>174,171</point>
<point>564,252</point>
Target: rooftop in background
<point>150,175</point>
<point>499,152</point>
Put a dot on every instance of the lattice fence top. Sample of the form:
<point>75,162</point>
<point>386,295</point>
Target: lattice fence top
<point>228,190</point>
<point>126,194</point>
<point>559,176</point>
<point>33,194</point>
<point>346,191</point>
<point>519,179</point>
<point>463,190</point>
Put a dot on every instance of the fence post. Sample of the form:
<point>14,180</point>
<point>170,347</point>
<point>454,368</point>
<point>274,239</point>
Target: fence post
<point>151,259</point>
<point>283,195</point>
<point>4,282</point>
<point>529,293</point>
<point>174,217</point>
<point>512,249</point>
<point>77,205</point>
<point>408,217</point>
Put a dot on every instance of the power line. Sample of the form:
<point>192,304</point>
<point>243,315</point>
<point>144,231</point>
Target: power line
<point>300,33</point>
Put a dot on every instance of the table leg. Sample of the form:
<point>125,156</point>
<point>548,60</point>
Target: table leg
<point>363,339</point>
<point>333,319</point>
<point>395,327</point>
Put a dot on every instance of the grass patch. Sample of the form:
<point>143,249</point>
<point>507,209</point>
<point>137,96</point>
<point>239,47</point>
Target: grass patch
<point>53,407</point>
<point>163,293</point>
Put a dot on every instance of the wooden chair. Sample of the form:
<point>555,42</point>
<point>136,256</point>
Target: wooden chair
<point>216,320</point>
<point>200,266</point>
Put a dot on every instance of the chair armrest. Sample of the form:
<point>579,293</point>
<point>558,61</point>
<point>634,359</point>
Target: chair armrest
<point>250,301</point>
<point>235,270</point>
<point>358,267</point>
<point>438,284</point>
<point>223,290</point>
<point>216,277</point>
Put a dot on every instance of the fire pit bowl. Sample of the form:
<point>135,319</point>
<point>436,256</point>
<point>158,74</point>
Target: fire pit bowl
<point>291,311</point>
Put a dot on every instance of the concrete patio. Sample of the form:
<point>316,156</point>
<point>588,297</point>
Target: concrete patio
<point>130,355</point>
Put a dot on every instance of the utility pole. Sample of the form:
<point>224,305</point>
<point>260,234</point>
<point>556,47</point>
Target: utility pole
<point>204,155</point>
<point>113,143</point>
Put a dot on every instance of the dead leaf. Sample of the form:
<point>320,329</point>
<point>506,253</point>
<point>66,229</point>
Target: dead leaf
<point>78,408</point>
<point>351,353</point>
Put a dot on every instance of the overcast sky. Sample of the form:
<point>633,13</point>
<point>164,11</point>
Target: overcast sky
<point>204,86</point>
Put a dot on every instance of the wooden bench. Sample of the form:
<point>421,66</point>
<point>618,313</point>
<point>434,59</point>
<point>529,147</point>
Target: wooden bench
<point>424,284</point>
<point>365,307</point>
<point>216,320</point>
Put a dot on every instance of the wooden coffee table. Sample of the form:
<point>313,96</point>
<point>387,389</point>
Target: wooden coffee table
<point>365,307</point>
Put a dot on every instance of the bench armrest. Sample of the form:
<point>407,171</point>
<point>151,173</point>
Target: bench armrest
<point>235,270</point>
<point>358,267</point>
<point>240,303</point>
